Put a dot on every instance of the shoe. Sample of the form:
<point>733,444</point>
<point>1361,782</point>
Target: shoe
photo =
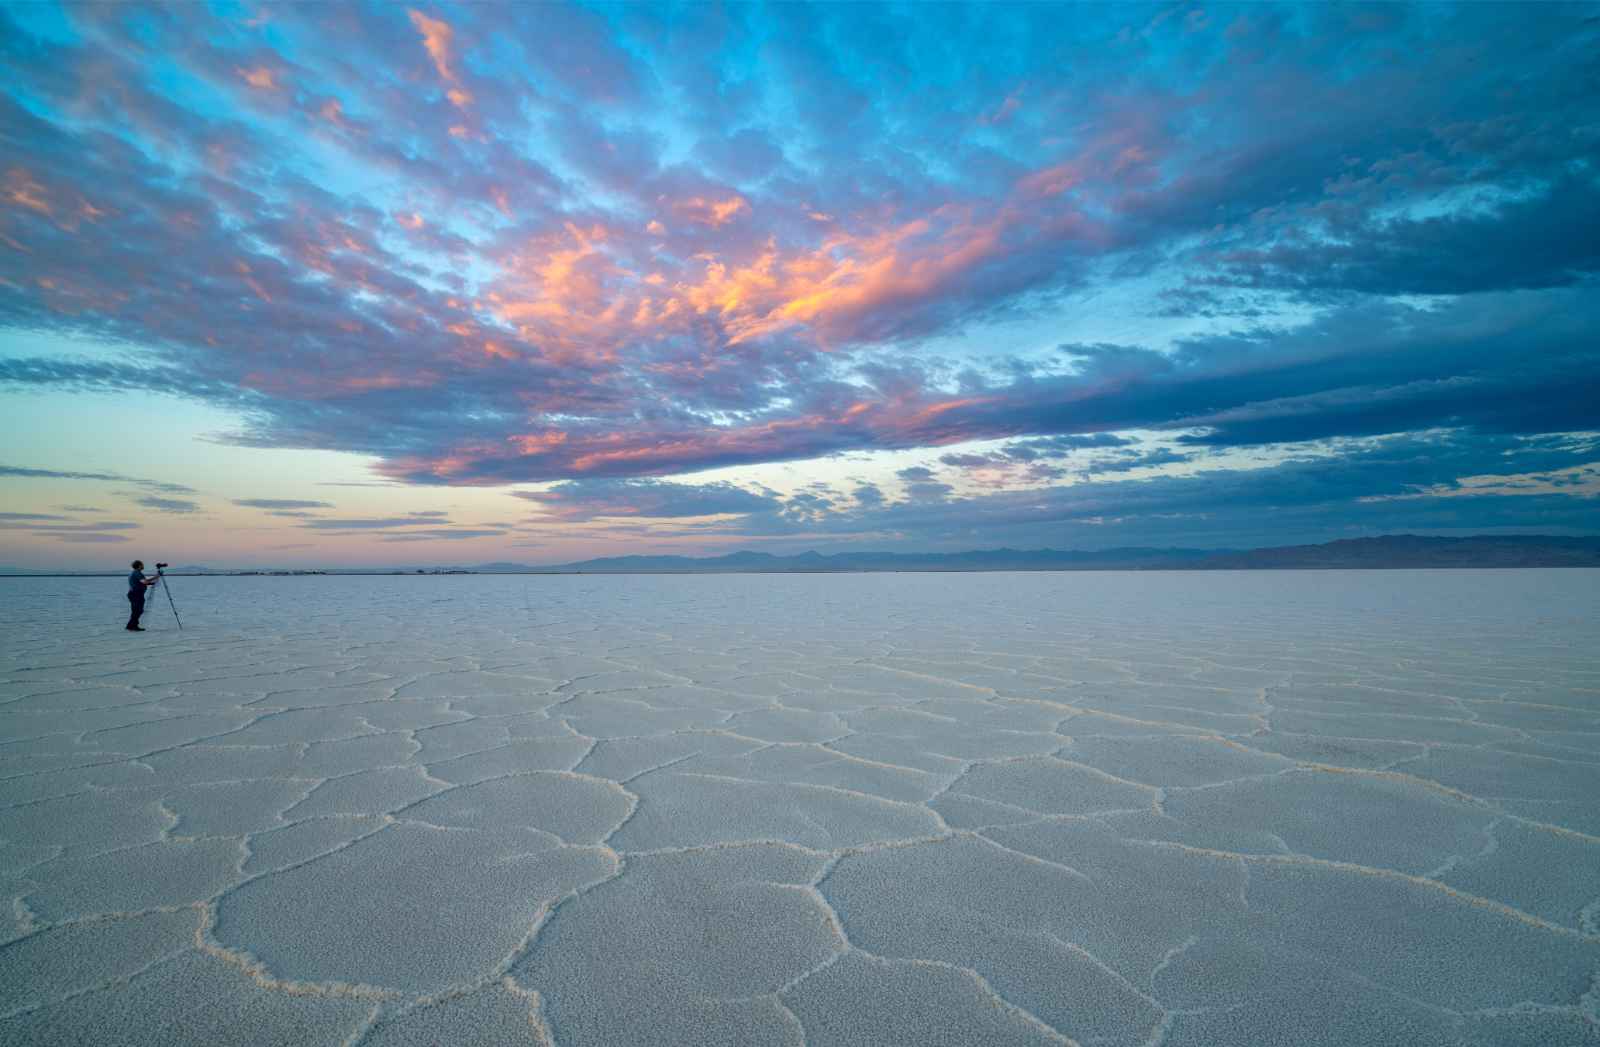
<point>134,628</point>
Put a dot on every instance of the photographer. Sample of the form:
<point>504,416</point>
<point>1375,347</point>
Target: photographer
<point>138,585</point>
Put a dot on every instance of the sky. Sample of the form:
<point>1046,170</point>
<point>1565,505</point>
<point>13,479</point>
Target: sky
<point>329,285</point>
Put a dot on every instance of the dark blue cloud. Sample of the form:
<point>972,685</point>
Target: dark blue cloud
<point>868,494</point>
<point>60,474</point>
<point>287,508</point>
<point>444,534</point>
<point>375,523</point>
<point>1394,484</point>
<point>68,531</point>
<point>1045,448</point>
<point>1130,460</point>
<point>168,505</point>
<point>281,503</point>
<point>1548,238</point>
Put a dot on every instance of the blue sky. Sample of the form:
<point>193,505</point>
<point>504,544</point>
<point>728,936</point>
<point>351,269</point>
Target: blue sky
<point>447,284</point>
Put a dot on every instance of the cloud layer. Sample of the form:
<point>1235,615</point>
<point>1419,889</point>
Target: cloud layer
<point>700,238</point>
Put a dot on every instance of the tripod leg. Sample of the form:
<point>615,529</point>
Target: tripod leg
<point>168,587</point>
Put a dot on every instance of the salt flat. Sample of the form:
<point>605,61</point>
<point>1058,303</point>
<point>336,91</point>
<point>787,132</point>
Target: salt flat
<point>1093,808</point>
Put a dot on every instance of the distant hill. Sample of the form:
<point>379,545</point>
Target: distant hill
<point>1413,550</point>
<point>1387,551</point>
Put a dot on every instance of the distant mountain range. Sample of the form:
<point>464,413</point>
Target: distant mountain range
<point>815,562</point>
<point>1413,550</point>
<point>1386,551</point>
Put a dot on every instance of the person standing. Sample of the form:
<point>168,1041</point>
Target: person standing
<point>138,585</point>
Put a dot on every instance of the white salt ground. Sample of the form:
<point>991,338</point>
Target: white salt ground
<point>1116,809</point>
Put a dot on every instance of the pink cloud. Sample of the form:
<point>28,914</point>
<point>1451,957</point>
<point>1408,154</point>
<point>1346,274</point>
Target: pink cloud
<point>260,77</point>
<point>438,38</point>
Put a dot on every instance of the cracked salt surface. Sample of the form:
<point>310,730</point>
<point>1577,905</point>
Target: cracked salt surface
<point>1103,809</point>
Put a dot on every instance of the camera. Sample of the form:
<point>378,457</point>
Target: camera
<point>159,566</point>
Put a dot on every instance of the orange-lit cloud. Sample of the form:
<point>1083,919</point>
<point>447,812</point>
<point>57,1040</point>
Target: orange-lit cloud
<point>712,212</point>
<point>1052,181</point>
<point>574,286</point>
<point>244,270</point>
<point>537,443</point>
<point>438,38</point>
<point>259,77</point>
<point>24,191</point>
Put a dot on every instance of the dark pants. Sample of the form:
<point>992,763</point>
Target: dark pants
<point>136,603</point>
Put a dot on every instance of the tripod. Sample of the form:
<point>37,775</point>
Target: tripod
<point>166,586</point>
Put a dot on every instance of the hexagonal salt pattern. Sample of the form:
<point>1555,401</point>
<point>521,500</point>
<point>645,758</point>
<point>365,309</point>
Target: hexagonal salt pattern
<point>1099,809</point>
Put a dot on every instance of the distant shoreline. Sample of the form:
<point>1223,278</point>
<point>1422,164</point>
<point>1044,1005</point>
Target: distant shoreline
<point>843,570</point>
<point>1398,552</point>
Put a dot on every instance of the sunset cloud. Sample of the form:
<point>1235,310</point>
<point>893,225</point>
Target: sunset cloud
<point>438,37</point>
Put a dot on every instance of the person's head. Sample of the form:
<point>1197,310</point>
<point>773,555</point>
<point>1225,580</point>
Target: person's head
<point>138,565</point>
